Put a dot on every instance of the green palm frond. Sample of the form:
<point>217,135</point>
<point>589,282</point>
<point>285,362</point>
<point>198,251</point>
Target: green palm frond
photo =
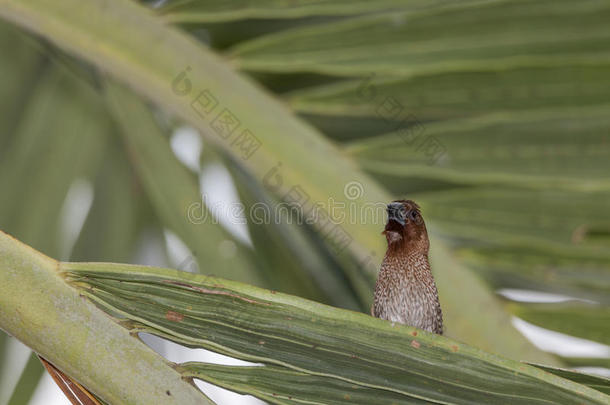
<point>493,115</point>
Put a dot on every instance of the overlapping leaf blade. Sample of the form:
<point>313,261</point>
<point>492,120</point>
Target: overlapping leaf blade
<point>28,381</point>
<point>573,172</point>
<point>257,325</point>
<point>290,254</point>
<point>18,78</point>
<point>58,140</point>
<point>46,314</point>
<point>458,93</point>
<point>557,148</point>
<point>587,362</point>
<point>588,321</point>
<point>173,190</point>
<point>599,383</point>
<point>157,69</point>
<point>222,11</point>
<point>118,214</point>
<point>562,271</point>
<point>499,33</point>
<point>281,385</point>
<point>553,219</point>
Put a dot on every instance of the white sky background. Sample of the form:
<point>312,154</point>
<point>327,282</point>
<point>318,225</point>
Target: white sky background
<point>215,181</point>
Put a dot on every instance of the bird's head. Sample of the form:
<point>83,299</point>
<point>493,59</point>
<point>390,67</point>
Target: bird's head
<point>405,227</point>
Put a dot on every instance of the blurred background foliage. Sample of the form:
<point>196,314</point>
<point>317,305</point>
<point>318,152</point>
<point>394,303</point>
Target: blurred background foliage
<point>514,94</point>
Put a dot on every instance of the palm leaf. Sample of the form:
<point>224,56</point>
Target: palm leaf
<point>72,334</point>
<point>440,65</point>
<point>28,381</point>
<point>532,149</point>
<point>268,327</point>
<point>159,69</point>
<point>286,332</point>
<point>174,191</point>
<point>595,382</point>
<point>190,11</point>
<point>577,319</point>
<point>467,35</point>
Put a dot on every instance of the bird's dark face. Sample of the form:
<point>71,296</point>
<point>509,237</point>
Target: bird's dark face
<point>405,225</point>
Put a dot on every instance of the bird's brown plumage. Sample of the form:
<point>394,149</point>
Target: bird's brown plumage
<point>405,291</point>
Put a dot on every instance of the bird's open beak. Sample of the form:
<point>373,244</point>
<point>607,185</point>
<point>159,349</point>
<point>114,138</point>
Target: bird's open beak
<point>397,212</point>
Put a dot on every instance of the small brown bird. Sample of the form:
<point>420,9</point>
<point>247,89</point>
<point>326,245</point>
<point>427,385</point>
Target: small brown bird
<point>405,290</point>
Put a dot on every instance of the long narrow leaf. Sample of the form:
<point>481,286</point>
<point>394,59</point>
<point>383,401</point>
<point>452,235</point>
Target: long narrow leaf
<point>599,383</point>
<point>28,381</point>
<point>552,219</point>
<point>59,140</point>
<point>287,252</point>
<point>583,320</point>
<point>468,35</point>
<point>173,191</point>
<point>281,385</point>
<point>20,69</point>
<point>193,11</point>
<point>557,148</point>
<point>563,271</point>
<point>263,326</point>
<point>459,93</point>
<point>185,78</point>
<point>110,232</point>
<point>50,317</point>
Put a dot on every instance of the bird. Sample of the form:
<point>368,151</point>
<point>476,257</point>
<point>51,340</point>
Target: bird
<point>405,291</point>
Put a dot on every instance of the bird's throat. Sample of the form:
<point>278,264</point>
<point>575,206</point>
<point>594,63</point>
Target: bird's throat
<point>394,239</point>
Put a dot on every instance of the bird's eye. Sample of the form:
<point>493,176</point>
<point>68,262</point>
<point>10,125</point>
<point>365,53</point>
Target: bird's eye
<point>414,215</point>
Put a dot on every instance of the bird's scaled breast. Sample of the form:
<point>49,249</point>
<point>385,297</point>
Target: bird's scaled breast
<point>409,298</point>
<point>410,302</point>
